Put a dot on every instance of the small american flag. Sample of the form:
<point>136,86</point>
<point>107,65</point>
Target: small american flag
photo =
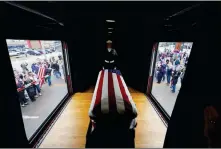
<point>41,75</point>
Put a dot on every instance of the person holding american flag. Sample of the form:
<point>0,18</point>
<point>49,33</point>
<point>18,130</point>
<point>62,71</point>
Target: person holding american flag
<point>41,74</point>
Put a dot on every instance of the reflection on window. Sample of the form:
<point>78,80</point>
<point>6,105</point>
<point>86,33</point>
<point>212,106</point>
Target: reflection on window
<point>169,70</point>
<point>39,74</point>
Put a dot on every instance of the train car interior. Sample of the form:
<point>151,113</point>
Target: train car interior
<point>110,74</point>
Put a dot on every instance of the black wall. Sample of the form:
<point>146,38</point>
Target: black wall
<point>135,37</point>
<point>18,24</point>
<point>138,26</point>
<point>200,87</point>
<point>86,42</point>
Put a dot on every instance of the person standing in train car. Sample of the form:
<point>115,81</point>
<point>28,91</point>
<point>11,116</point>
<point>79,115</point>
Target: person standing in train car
<point>110,57</point>
<point>212,125</point>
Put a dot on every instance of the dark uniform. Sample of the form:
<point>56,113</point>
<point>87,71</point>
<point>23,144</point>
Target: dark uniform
<point>30,89</point>
<point>110,60</point>
<point>21,93</point>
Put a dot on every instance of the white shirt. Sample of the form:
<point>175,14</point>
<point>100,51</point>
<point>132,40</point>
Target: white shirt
<point>177,68</point>
<point>36,80</point>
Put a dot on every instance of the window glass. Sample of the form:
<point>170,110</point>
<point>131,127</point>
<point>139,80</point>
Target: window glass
<point>39,74</point>
<point>169,70</point>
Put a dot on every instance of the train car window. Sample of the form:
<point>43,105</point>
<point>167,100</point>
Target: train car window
<point>40,77</point>
<point>170,62</point>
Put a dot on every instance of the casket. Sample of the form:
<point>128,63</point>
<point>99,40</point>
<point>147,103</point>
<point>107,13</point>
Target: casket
<point>112,111</point>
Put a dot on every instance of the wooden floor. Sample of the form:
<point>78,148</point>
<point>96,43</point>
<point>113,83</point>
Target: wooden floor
<point>70,129</point>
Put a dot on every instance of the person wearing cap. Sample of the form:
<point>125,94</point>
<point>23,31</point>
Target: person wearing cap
<point>110,56</point>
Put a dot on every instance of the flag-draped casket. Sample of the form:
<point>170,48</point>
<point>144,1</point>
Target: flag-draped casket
<point>112,99</point>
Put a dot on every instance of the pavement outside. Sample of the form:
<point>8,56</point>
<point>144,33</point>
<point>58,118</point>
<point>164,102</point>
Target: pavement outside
<point>164,96</point>
<point>36,112</point>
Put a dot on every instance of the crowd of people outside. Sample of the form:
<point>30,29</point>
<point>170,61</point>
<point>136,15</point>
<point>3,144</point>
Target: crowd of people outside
<point>171,66</point>
<point>29,82</point>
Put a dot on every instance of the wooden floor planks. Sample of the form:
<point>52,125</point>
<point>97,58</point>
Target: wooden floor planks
<point>70,129</point>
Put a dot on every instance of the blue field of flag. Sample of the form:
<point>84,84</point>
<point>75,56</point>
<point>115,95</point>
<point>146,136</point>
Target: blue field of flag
<point>114,71</point>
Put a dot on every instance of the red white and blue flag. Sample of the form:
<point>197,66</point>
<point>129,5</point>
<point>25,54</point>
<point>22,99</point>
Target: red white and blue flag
<point>111,95</point>
<point>41,75</point>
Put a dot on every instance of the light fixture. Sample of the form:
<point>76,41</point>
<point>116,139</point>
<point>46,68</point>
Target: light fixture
<point>168,25</point>
<point>110,21</point>
<point>110,28</point>
<point>109,32</point>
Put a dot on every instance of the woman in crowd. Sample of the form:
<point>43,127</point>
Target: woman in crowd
<point>36,84</point>
<point>30,87</point>
<point>20,90</point>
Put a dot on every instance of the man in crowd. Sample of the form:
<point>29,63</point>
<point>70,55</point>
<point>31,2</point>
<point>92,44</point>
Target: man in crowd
<point>24,67</point>
<point>20,90</point>
<point>175,75</point>
<point>56,68</point>
<point>168,71</point>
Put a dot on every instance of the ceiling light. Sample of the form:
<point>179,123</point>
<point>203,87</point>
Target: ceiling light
<point>110,20</point>
<point>168,25</point>
<point>109,32</point>
<point>110,28</point>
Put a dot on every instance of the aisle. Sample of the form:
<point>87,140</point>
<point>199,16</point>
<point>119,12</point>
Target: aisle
<point>70,129</point>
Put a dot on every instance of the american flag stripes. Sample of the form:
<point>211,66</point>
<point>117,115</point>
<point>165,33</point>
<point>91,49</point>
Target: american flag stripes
<point>41,75</point>
<point>111,95</point>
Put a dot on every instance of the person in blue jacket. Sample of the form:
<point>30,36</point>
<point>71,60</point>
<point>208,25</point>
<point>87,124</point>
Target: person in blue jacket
<point>34,68</point>
<point>175,75</point>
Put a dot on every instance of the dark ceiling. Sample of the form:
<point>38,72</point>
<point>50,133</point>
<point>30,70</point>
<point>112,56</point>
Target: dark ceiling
<point>125,13</point>
<point>60,10</point>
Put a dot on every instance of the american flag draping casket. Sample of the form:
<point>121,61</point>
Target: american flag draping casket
<point>111,96</point>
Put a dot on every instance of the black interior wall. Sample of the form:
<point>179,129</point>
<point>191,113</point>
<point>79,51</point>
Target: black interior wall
<point>18,24</point>
<point>135,37</point>
<point>200,87</point>
<point>86,42</point>
<point>137,27</point>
